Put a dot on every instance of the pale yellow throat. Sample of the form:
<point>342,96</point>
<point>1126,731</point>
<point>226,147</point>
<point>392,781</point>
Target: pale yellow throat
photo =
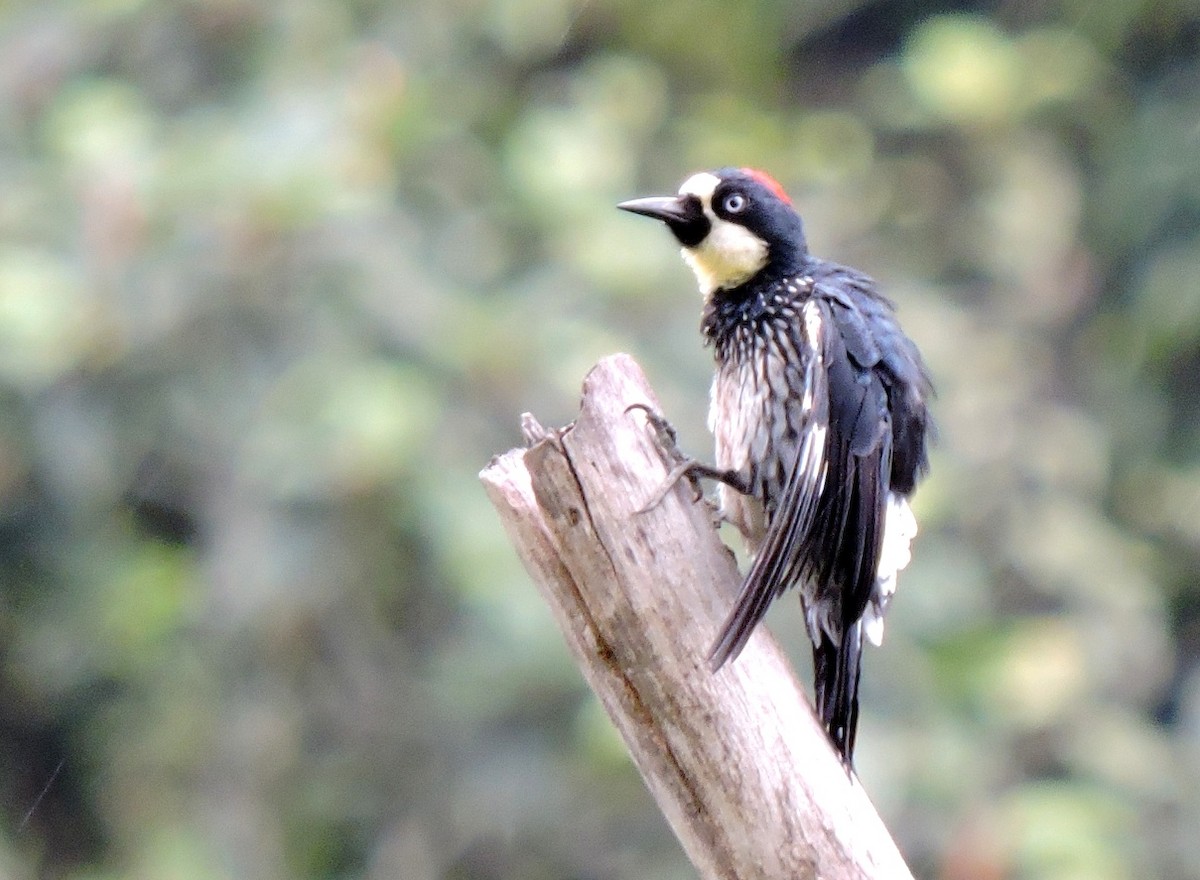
<point>730,254</point>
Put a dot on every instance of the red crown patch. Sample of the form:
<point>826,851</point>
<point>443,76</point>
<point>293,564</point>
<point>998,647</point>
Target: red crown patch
<point>769,182</point>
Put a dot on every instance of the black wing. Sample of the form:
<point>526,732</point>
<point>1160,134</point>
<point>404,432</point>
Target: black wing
<point>843,558</point>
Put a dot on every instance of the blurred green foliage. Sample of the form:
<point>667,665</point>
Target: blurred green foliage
<point>277,277</point>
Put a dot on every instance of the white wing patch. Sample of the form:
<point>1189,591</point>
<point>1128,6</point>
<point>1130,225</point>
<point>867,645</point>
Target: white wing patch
<point>899,529</point>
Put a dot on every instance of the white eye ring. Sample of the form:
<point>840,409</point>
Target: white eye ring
<point>734,203</point>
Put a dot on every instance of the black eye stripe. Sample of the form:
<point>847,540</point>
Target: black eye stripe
<point>695,228</point>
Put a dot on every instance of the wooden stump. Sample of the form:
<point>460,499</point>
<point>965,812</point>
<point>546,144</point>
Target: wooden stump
<point>736,760</point>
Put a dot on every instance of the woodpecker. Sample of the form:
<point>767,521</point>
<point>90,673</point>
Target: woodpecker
<point>819,413</point>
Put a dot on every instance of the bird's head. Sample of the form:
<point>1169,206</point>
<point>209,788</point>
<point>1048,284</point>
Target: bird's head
<point>733,224</point>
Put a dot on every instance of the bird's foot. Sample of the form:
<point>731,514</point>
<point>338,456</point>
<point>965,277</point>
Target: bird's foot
<point>681,465</point>
<point>687,468</point>
<point>664,431</point>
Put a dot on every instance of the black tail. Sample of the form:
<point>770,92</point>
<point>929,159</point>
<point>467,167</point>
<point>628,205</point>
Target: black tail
<point>836,670</point>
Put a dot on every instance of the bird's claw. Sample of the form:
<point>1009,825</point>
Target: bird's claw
<point>684,466</point>
<point>683,469</point>
<point>663,430</point>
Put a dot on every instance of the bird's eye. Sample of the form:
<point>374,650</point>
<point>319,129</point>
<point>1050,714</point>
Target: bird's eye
<point>734,202</point>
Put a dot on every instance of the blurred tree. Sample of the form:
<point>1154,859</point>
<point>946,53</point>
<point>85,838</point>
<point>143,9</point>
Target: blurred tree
<point>277,277</point>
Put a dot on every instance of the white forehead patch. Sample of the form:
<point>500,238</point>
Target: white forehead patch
<point>730,254</point>
<point>700,185</point>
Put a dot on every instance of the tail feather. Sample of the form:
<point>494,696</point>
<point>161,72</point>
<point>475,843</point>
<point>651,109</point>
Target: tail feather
<point>836,670</point>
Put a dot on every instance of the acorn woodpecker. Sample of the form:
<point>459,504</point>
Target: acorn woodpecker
<point>818,408</point>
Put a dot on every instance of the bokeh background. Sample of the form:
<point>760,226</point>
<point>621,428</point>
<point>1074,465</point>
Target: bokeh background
<point>278,276</point>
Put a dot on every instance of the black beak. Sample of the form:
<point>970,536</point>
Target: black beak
<point>669,209</point>
<point>682,214</point>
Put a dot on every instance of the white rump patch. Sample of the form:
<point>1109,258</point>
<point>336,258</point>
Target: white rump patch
<point>899,529</point>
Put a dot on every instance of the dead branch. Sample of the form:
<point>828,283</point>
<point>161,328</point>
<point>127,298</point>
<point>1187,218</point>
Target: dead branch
<point>736,760</point>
